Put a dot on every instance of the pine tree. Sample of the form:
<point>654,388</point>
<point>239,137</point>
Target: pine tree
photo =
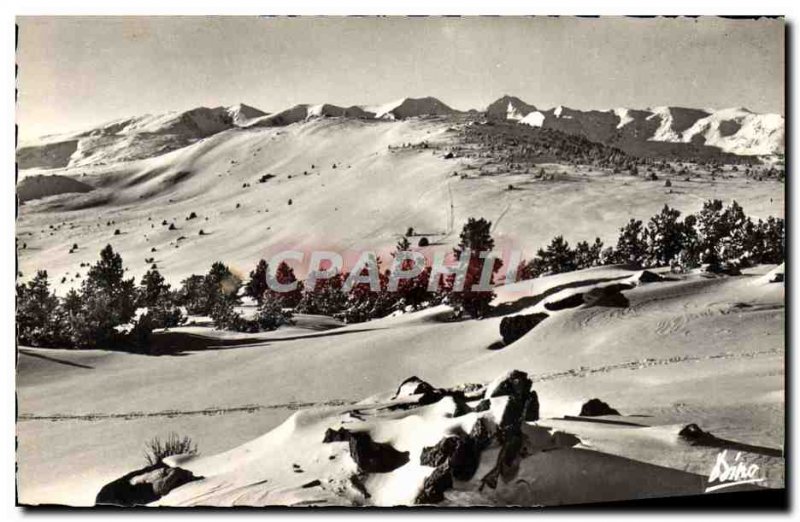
<point>271,315</point>
<point>108,300</point>
<point>475,238</point>
<point>155,295</point>
<point>327,297</point>
<point>220,286</point>
<point>39,320</point>
<point>192,296</point>
<point>152,288</point>
<point>664,237</point>
<point>414,291</point>
<point>257,284</point>
<point>711,230</point>
<point>284,275</point>
<point>773,238</point>
<point>557,257</point>
<point>631,247</point>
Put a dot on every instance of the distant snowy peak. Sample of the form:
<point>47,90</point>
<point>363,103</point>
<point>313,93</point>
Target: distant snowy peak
<point>509,108</point>
<point>395,110</point>
<point>740,132</point>
<point>242,114</point>
<point>409,108</point>
<point>198,122</point>
<point>414,107</point>
<point>736,130</point>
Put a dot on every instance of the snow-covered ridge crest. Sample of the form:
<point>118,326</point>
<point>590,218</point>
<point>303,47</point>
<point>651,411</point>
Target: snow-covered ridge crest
<point>737,131</point>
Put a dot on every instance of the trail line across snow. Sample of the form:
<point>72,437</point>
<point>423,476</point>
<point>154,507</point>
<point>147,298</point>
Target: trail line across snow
<point>293,406</point>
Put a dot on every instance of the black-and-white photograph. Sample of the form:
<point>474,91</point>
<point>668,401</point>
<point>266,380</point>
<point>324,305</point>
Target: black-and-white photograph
<point>381,261</point>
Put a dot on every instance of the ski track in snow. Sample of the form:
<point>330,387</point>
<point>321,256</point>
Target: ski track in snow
<point>581,372</point>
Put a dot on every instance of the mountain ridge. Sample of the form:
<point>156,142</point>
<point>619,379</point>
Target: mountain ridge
<point>732,130</point>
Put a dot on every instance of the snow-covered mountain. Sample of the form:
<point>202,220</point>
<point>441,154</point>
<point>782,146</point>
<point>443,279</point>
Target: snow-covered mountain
<point>736,131</point>
<point>641,132</point>
<point>242,114</point>
<point>140,137</point>
<point>509,108</point>
<point>130,138</point>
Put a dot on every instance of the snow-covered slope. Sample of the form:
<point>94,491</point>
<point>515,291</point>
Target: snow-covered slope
<point>152,135</point>
<point>127,139</point>
<point>740,131</point>
<point>688,349</point>
<point>350,184</point>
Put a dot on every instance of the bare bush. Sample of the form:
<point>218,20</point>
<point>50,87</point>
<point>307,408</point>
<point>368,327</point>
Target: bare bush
<point>157,450</point>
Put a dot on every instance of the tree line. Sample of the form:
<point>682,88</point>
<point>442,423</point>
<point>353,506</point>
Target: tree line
<point>113,312</point>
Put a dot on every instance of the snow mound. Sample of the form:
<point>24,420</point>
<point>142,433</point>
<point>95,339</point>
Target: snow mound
<point>410,449</point>
<point>461,446</point>
<point>776,275</point>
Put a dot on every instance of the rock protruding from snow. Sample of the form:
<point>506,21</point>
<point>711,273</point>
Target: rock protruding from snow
<point>523,401</point>
<point>514,327</point>
<point>596,408</point>
<point>413,386</point>
<point>610,295</point>
<point>369,456</point>
<point>459,452</point>
<point>646,276</point>
<point>143,486</point>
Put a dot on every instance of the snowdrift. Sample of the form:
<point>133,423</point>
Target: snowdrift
<point>682,350</point>
<point>475,444</point>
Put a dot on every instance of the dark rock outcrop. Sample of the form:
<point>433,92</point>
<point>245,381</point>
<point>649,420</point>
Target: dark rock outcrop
<point>610,295</point>
<point>369,456</point>
<point>777,277</point>
<point>143,486</point>
<point>596,408</point>
<point>649,277</point>
<point>414,386</point>
<point>607,296</point>
<point>514,327</point>
<point>523,403</point>
<point>460,452</point>
<point>481,434</point>
<point>435,485</point>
